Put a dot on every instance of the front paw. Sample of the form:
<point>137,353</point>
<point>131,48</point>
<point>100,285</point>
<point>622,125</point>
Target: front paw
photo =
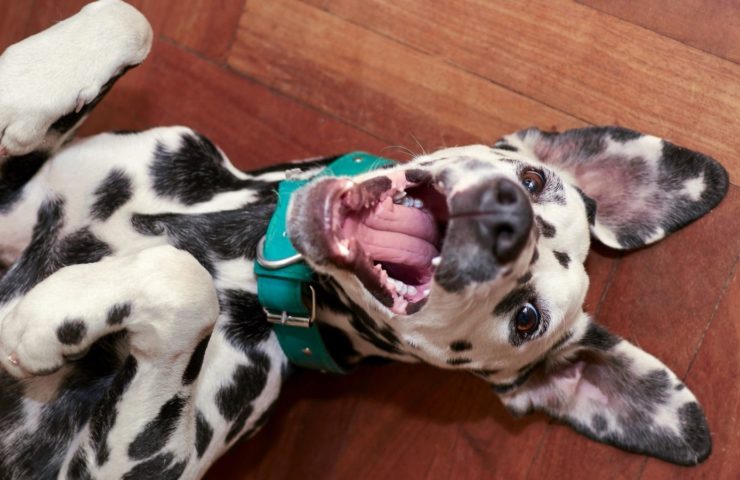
<point>51,76</point>
<point>33,343</point>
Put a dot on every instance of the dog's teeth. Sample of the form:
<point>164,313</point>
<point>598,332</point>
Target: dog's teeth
<point>426,292</point>
<point>343,246</point>
<point>436,260</point>
<point>408,201</point>
<point>398,197</point>
<point>418,203</point>
<point>411,291</point>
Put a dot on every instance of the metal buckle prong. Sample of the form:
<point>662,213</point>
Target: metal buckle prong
<point>284,318</point>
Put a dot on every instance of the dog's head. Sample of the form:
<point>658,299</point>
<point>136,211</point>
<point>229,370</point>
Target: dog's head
<point>472,258</point>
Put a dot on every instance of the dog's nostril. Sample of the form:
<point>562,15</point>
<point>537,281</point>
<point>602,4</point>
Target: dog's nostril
<point>505,242</point>
<point>506,194</point>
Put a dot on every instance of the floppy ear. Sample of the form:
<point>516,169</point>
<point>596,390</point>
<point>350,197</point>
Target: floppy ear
<point>613,392</point>
<point>643,187</point>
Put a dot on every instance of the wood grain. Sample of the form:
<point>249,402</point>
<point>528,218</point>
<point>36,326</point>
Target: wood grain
<point>392,91</point>
<point>206,26</point>
<point>710,26</point>
<point>13,22</point>
<point>713,376</point>
<point>593,66</point>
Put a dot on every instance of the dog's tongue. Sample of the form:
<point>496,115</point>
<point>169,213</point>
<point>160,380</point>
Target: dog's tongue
<point>396,234</point>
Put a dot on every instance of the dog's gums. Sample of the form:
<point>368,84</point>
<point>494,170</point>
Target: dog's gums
<point>389,232</point>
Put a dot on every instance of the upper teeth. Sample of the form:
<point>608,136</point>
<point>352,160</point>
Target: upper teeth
<point>402,199</point>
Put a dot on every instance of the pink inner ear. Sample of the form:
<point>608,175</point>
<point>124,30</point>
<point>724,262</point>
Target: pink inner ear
<point>623,196</point>
<point>564,388</point>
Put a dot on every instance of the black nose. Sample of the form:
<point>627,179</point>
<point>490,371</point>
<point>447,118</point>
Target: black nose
<point>502,216</point>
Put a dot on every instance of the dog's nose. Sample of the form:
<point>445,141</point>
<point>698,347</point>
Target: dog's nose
<point>502,216</point>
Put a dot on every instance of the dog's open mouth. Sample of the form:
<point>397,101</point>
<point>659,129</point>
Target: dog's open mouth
<point>388,231</point>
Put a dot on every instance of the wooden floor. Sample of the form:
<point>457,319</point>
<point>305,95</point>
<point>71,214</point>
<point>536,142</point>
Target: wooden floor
<point>273,80</point>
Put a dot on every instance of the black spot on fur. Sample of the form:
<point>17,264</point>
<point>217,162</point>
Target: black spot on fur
<point>111,195</point>
<point>458,361</point>
<point>305,166</point>
<point>247,325</point>
<point>339,345</point>
<point>562,258</point>
<point>81,247</point>
<point>234,400</point>
<point>155,434</point>
<point>417,175</point>
<point>36,263</point>
<point>104,417</point>
<point>535,256</point>
<point>679,387</point>
<point>694,430</point>
<point>118,313</point>
<point>460,346</point>
<point>599,338</point>
<point>68,121</point>
<point>590,207</point>
<point>195,172</point>
<point>203,433</point>
<point>501,388</point>
<point>15,172</point>
<point>546,229</point>
<point>71,332</point>
<point>78,469</point>
<point>159,467</point>
<point>196,362</point>
<point>524,278</point>
<point>505,146</point>
<point>38,453</point>
<point>598,423</point>
<point>210,236</point>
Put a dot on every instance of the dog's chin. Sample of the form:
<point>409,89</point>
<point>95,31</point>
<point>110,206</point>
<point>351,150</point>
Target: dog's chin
<point>387,231</point>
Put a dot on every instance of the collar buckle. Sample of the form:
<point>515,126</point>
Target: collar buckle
<point>285,318</point>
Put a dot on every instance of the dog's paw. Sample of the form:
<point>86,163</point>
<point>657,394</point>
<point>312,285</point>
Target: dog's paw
<point>36,342</point>
<point>64,68</point>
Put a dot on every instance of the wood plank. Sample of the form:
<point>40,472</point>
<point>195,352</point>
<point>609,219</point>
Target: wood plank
<point>397,421</point>
<point>14,17</point>
<point>581,61</point>
<point>662,299</point>
<point>394,92</point>
<point>206,26</point>
<point>710,26</point>
<point>714,375</point>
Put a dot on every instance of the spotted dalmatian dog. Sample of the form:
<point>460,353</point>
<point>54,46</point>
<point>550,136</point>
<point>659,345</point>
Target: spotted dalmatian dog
<point>131,339</point>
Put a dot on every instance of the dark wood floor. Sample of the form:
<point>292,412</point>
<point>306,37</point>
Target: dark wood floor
<point>272,80</point>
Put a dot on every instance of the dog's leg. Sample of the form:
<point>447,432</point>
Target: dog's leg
<point>50,81</point>
<point>166,302</point>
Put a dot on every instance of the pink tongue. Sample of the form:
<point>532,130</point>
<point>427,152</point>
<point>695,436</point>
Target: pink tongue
<point>397,234</point>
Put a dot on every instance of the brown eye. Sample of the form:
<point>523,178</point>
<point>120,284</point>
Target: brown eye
<point>533,181</point>
<point>527,319</point>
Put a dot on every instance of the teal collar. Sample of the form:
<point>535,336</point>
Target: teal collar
<point>283,277</point>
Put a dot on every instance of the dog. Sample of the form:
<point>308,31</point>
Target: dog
<point>132,340</point>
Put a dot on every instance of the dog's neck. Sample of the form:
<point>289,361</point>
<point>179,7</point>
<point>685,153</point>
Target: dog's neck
<point>349,333</point>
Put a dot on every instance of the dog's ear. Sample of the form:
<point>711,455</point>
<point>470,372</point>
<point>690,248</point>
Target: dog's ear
<point>642,187</point>
<point>613,392</point>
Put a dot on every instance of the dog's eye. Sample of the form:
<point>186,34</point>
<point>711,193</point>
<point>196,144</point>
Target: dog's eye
<point>533,181</point>
<point>527,319</point>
